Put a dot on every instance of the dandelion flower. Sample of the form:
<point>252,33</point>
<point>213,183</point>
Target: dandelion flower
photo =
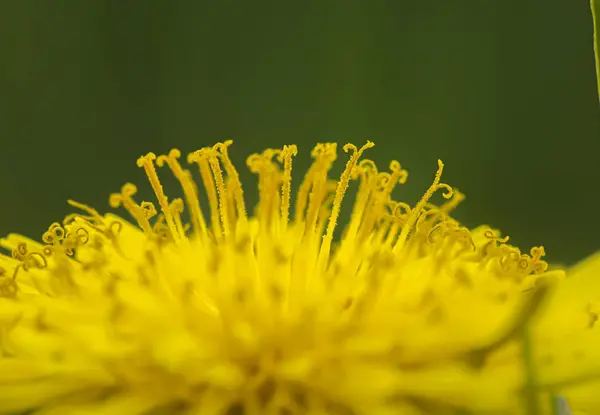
<point>407,312</point>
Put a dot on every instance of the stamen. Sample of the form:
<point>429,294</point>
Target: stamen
<point>269,178</point>
<point>189,189</point>
<point>27,259</point>
<point>537,265</point>
<point>367,170</point>
<point>398,176</point>
<point>286,157</point>
<point>236,185</point>
<point>176,208</point>
<point>58,239</point>
<point>218,176</point>
<point>452,203</point>
<point>148,209</point>
<point>430,217</point>
<point>380,197</point>
<point>125,198</point>
<point>342,186</point>
<point>419,208</point>
<point>95,222</point>
<point>160,230</point>
<point>201,159</point>
<point>491,248</point>
<point>93,217</point>
<point>398,212</point>
<point>147,163</point>
<point>324,155</point>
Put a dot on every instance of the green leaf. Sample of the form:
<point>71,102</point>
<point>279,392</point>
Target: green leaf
<point>595,5</point>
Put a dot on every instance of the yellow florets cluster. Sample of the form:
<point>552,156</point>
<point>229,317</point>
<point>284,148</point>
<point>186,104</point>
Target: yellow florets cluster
<point>409,313</point>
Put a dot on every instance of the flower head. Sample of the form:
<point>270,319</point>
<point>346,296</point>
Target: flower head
<point>185,313</point>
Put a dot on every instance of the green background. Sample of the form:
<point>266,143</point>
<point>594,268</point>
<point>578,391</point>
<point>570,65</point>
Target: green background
<point>503,91</point>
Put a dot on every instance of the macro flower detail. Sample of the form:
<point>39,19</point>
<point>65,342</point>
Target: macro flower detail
<point>212,311</point>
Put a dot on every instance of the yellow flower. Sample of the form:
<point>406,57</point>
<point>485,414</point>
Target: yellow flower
<point>409,313</point>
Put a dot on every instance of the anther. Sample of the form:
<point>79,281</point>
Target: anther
<point>147,163</point>
<point>286,157</point>
<point>200,157</point>
<point>419,208</point>
<point>189,189</point>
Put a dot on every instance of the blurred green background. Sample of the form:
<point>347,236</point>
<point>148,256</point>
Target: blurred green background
<point>503,91</point>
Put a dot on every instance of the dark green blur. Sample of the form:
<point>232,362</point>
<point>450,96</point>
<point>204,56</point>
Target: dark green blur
<point>503,91</point>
